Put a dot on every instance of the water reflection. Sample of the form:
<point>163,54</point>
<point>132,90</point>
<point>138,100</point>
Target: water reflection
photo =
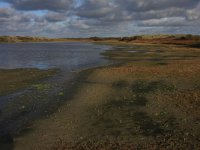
<point>65,56</point>
<point>40,65</point>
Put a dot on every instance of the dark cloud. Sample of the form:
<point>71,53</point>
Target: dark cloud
<point>172,21</point>
<point>54,5</point>
<point>55,17</point>
<point>99,17</point>
<point>95,9</point>
<point>4,13</point>
<point>193,14</point>
<point>157,14</point>
<point>11,16</point>
<point>134,9</point>
<point>146,5</point>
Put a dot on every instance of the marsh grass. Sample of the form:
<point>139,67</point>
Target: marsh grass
<point>18,79</point>
<point>41,87</point>
<point>120,84</point>
<point>124,115</point>
<point>150,101</point>
<point>153,52</point>
<point>141,86</point>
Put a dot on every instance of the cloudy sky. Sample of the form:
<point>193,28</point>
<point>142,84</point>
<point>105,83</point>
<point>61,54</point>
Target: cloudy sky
<point>85,18</point>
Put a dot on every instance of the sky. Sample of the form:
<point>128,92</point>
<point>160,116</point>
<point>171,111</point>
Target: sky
<point>104,18</point>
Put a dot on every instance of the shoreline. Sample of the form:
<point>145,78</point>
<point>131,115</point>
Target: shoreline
<point>98,112</point>
<point>106,98</point>
<point>168,39</point>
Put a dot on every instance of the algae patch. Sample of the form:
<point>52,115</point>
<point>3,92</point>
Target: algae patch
<point>41,87</point>
<point>17,79</point>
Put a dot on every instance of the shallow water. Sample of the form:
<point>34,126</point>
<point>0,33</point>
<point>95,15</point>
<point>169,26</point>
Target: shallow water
<point>63,55</point>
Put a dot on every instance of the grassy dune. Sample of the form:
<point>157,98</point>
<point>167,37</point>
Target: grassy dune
<point>150,101</point>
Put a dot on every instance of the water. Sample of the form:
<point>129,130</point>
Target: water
<point>65,56</point>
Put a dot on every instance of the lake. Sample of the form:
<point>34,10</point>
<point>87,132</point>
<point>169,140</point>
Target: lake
<point>62,55</point>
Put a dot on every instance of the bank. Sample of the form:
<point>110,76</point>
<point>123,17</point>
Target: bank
<point>148,101</point>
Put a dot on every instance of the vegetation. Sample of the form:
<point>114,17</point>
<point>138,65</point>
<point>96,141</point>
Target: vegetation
<point>149,101</point>
<point>183,39</point>
<point>17,79</point>
<point>128,39</point>
<point>23,95</point>
<point>14,39</point>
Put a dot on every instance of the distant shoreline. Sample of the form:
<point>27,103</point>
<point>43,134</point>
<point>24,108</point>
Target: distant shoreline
<point>181,39</point>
